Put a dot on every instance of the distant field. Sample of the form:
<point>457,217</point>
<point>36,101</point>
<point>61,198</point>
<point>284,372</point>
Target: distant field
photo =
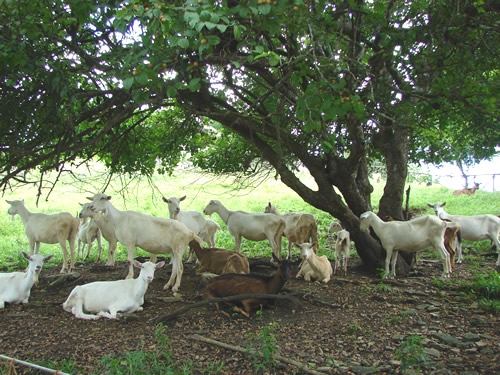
<point>142,196</point>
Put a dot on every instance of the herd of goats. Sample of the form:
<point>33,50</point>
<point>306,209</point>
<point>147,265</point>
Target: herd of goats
<point>228,272</point>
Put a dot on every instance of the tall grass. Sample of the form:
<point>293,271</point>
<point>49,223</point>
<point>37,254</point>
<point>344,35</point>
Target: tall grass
<point>145,196</point>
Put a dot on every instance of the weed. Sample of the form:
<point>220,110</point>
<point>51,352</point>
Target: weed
<point>486,288</point>
<point>382,287</point>
<point>411,353</point>
<point>264,351</point>
<point>353,329</point>
<point>381,273</point>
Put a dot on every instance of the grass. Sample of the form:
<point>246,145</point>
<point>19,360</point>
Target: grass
<point>132,194</point>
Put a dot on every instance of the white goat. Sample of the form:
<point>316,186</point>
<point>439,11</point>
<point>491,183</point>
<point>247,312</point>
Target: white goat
<point>15,287</point>
<point>253,227</point>
<point>299,227</point>
<point>105,227</point>
<point>411,236</point>
<point>313,267</point>
<point>342,246</point>
<point>87,234</point>
<point>107,298</point>
<point>472,228</point>
<point>194,220</point>
<point>49,229</point>
<point>152,234</point>
<point>212,228</point>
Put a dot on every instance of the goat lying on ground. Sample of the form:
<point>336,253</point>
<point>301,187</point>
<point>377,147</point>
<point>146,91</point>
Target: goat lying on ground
<point>472,228</point>
<point>107,298</point>
<point>50,229</point>
<point>15,287</point>
<point>238,284</point>
<point>87,234</point>
<point>153,234</point>
<point>342,246</point>
<point>313,267</point>
<point>411,236</point>
<point>254,227</point>
<point>106,229</point>
<point>299,227</point>
<point>219,261</point>
<point>466,191</point>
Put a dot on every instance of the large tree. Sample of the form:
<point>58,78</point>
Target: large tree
<point>251,84</point>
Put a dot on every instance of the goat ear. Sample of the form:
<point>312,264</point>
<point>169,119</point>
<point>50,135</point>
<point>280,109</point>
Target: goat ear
<point>48,257</point>
<point>108,197</point>
<point>137,264</point>
<point>164,199</point>
<point>442,204</point>
<point>269,204</point>
<point>296,245</point>
<point>182,198</point>
<point>26,256</point>
<point>90,198</point>
<point>160,265</point>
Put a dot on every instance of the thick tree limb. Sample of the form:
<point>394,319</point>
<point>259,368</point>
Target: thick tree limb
<point>300,365</point>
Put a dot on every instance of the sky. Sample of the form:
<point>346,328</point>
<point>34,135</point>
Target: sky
<point>486,173</point>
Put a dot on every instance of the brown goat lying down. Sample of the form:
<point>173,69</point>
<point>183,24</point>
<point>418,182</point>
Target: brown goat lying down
<point>219,261</point>
<point>238,284</point>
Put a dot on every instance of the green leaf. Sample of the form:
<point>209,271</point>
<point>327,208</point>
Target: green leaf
<point>183,43</point>
<point>195,84</point>
<point>171,91</point>
<point>127,83</point>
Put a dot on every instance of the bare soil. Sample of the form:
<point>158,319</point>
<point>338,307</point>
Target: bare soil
<point>353,325</point>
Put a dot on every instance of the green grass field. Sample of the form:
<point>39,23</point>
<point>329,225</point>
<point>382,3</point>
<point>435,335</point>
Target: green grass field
<point>129,194</point>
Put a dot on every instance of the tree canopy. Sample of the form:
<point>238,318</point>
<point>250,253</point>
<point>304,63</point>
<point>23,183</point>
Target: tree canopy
<point>241,85</point>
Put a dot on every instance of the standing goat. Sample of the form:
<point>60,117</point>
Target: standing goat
<point>411,236</point>
<point>239,284</point>
<point>153,234</point>
<point>299,227</point>
<point>194,220</point>
<point>49,229</point>
<point>87,234</point>
<point>313,267</point>
<point>15,287</point>
<point>107,298</point>
<point>472,228</point>
<point>106,229</point>
<point>219,261</point>
<point>342,246</point>
<point>254,227</point>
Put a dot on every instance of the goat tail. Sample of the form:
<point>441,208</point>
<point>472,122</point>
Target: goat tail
<point>451,224</point>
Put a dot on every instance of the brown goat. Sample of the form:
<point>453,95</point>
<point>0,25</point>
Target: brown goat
<point>470,191</point>
<point>239,284</point>
<point>219,261</point>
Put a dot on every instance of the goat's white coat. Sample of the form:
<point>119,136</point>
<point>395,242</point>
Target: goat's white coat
<point>49,229</point>
<point>194,220</point>
<point>15,287</point>
<point>342,246</point>
<point>87,234</point>
<point>411,236</point>
<point>300,227</point>
<point>152,234</point>
<point>313,267</point>
<point>473,228</point>
<point>105,227</point>
<point>107,298</point>
<point>253,227</point>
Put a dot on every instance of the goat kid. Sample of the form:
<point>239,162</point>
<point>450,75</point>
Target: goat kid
<point>313,267</point>
<point>108,298</point>
<point>106,229</point>
<point>15,287</point>
<point>472,228</point>
<point>240,284</point>
<point>219,261</point>
<point>87,234</point>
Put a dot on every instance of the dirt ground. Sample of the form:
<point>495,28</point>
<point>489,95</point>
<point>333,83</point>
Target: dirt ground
<point>353,325</point>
